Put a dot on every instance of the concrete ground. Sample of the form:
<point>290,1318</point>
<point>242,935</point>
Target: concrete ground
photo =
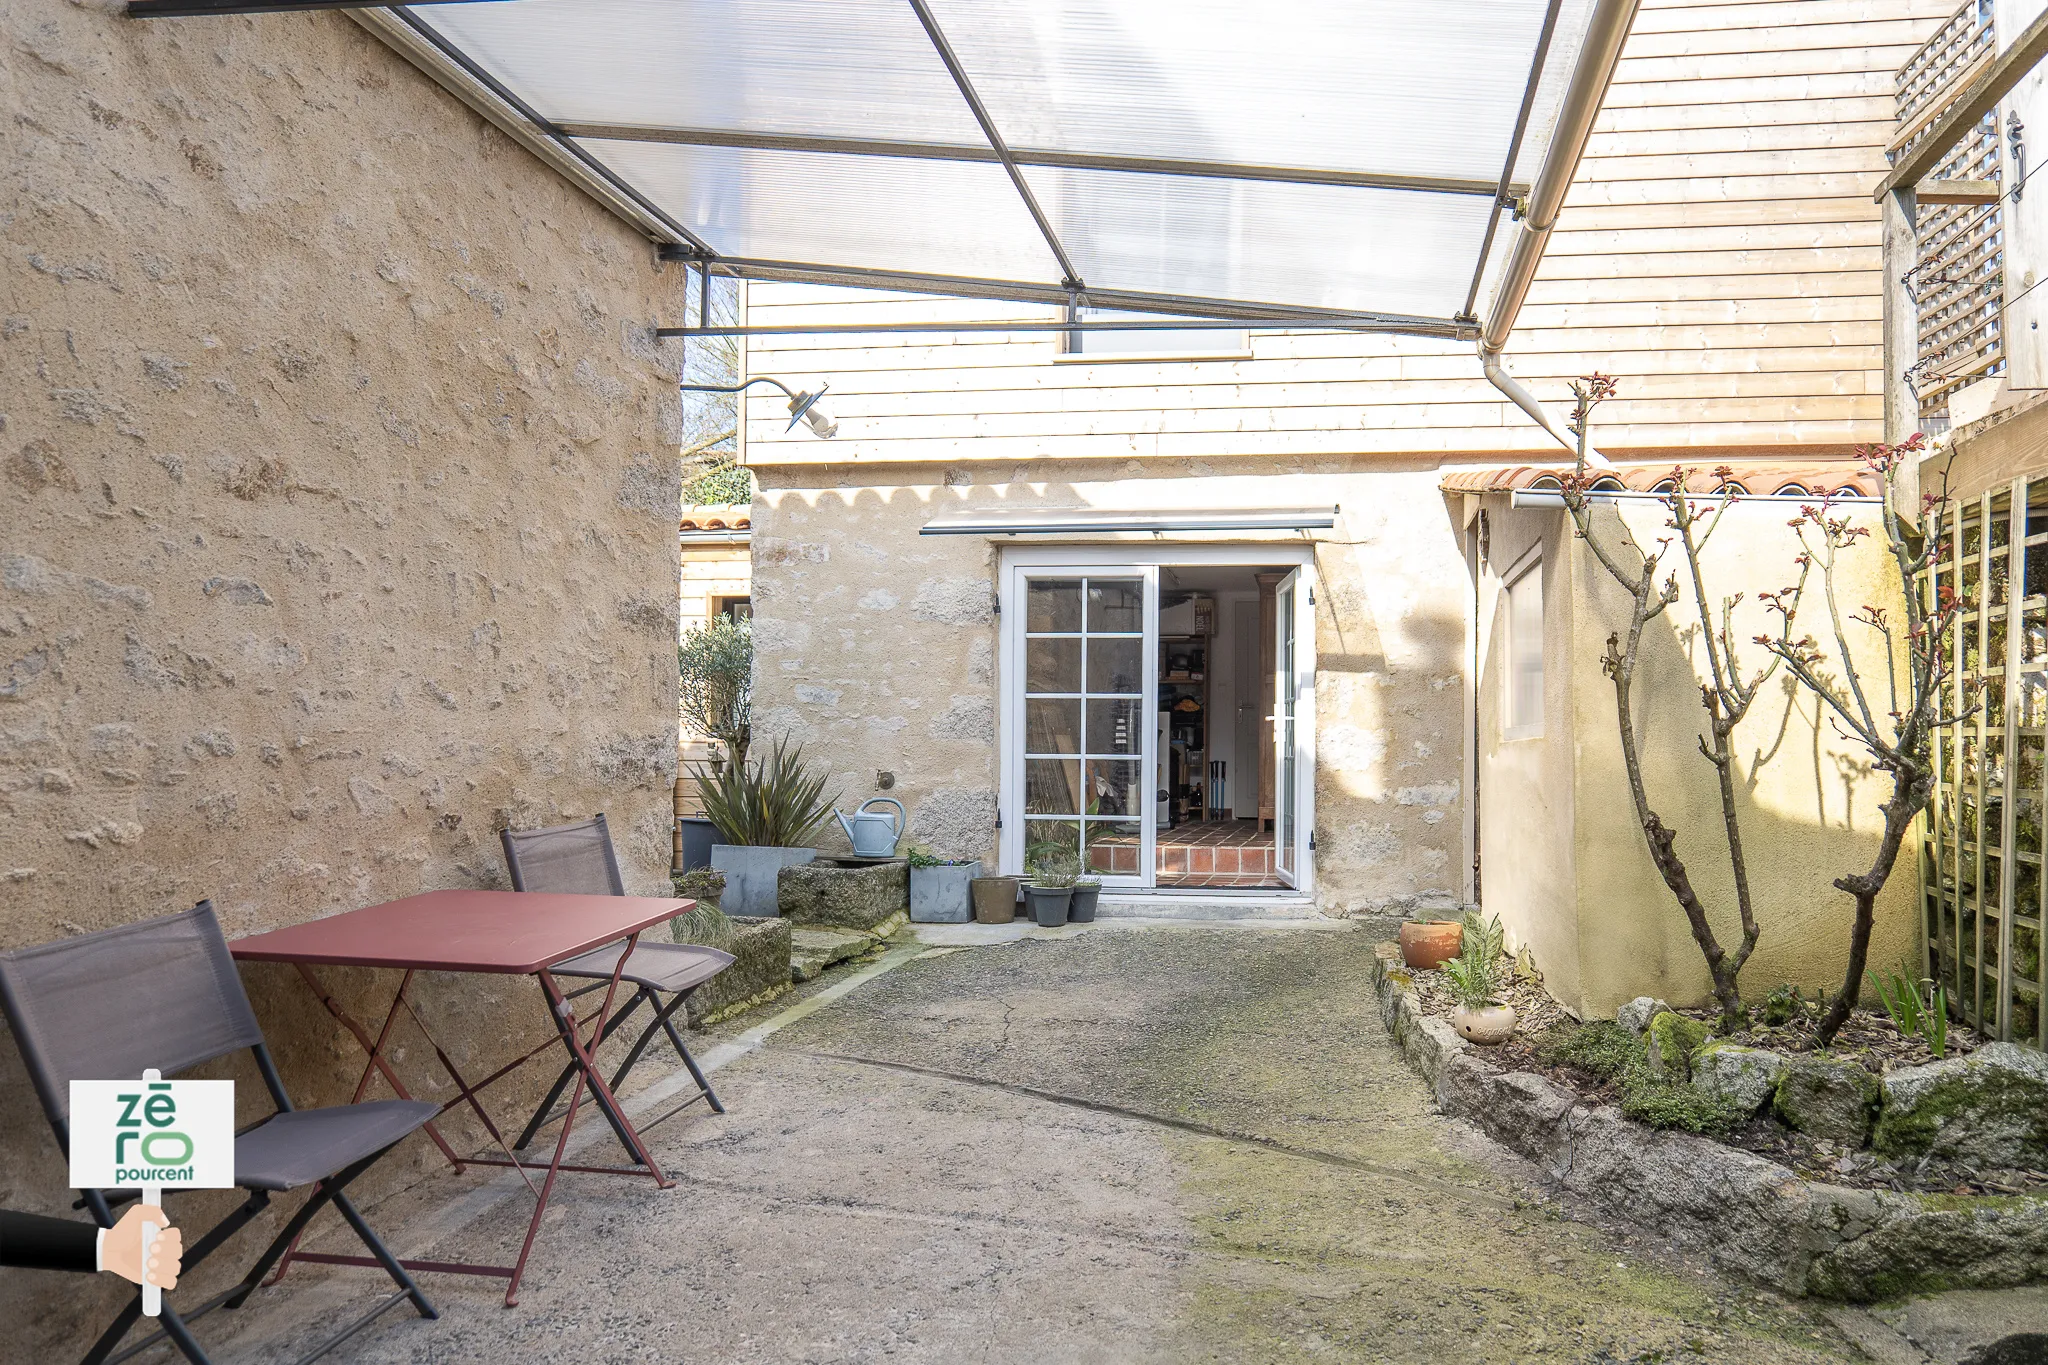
<point>1124,1143</point>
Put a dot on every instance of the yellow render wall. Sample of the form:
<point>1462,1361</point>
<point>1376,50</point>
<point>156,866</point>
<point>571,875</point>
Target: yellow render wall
<point>1807,801</point>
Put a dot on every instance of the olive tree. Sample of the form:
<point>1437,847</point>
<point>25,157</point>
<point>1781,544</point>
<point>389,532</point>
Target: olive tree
<point>715,662</point>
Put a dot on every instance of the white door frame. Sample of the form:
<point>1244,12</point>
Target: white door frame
<point>1094,558</point>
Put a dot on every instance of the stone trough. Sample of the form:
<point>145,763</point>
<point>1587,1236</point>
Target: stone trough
<point>1749,1215</point>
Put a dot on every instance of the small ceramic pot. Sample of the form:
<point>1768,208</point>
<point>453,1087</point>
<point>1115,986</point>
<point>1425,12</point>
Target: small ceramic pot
<point>1048,904</point>
<point>1488,1026</point>
<point>1081,909</point>
<point>1429,944</point>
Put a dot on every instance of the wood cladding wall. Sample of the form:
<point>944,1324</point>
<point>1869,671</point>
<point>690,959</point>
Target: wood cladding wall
<point>1718,253</point>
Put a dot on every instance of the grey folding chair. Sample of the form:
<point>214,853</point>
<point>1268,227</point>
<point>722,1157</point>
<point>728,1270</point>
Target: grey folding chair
<point>165,993</point>
<point>578,859</point>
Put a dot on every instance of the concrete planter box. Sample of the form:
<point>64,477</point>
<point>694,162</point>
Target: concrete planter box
<point>940,895</point>
<point>750,876</point>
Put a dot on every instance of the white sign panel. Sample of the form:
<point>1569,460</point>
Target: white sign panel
<point>174,1135</point>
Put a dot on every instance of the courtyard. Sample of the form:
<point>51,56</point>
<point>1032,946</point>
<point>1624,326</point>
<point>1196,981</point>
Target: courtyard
<point>1134,1142</point>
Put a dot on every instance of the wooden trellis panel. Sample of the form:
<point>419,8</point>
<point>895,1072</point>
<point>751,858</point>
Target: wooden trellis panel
<point>1983,893</point>
<point>1958,285</point>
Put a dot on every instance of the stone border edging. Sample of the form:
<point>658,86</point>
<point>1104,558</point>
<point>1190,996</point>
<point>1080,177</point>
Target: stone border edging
<point>1749,1215</point>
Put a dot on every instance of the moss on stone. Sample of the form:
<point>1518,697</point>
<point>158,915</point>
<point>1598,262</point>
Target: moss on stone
<point>1603,1048</point>
<point>1828,1097</point>
<point>1973,1109</point>
<point>1670,1042</point>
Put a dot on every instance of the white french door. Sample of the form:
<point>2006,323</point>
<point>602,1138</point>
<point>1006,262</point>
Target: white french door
<point>1086,642</point>
<point>1287,762</point>
<point>1079,671</point>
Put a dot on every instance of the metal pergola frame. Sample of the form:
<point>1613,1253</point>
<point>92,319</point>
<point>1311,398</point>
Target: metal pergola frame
<point>677,242</point>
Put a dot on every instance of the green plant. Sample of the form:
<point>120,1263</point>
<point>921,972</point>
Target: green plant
<point>1474,980</point>
<point>1782,1005</point>
<point>724,483</point>
<point>1483,937</point>
<point>776,802</point>
<point>1912,1013</point>
<point>1610,1052</point>
<point>715,682</point>
<point>917,855</point>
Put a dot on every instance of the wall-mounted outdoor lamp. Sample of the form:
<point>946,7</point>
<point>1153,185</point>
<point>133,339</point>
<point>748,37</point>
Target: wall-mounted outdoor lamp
<point>802,406</point>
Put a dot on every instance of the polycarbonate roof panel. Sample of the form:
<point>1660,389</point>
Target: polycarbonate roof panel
<point>1398,87</point>
<point>761,127</point>
<point>1322,246</point>
<point>885,213</point>
<point>850,68</point>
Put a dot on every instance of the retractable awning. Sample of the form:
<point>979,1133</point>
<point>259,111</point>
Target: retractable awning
<point>1292,159</point>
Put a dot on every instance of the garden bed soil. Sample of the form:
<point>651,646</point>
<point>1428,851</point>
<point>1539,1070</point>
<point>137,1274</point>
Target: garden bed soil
<point>1868,1038</point>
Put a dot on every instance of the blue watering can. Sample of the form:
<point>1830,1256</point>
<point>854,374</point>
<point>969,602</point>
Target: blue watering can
<point>874,836</point>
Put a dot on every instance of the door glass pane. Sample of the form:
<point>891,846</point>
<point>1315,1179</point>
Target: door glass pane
<point>1114,725</point>
<point>1113,665</point>
<point>1046,840</point>
<point>1115,787</point>
<point>1116,604</point>
<point>1052,786</point>
<point>1053,604</point>
<point>1052,725</point>
<point>1052,665</point>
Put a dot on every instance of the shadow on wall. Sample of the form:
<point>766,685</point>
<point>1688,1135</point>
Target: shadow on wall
<point>1566,866</point>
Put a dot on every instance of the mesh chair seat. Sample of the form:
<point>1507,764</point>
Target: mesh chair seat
<point>658,966</point>
<point>306,1145</point>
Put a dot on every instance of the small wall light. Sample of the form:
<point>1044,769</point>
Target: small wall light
<point>803,407</point>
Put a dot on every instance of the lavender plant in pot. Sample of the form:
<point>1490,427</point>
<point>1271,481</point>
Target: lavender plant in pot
<point>1050,892</point>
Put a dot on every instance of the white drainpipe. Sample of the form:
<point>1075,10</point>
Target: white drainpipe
<point>1605,34</point>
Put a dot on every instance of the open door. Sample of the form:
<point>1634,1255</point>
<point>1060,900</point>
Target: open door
<point>1287,688</point>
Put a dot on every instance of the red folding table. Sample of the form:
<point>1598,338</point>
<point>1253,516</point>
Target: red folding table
<point>503,933</point>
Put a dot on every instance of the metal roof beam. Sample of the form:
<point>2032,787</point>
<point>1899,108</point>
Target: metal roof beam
<point>1083,161</point>
<point>1268,315</point>
<point>1507,191</point>
<point>1069,277</point>
<point>1021,325</point>
<point>200,9</point>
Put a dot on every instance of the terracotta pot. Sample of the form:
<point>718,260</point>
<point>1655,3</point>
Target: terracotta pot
<point>995,899</point>
<point>1488,1026</point>
<point>1429,944</point>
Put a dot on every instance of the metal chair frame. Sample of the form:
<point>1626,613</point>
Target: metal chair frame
<point>328,1190</point>
<point>643,994</point>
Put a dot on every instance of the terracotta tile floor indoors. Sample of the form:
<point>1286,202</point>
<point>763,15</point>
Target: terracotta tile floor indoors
<point>1207,854</point>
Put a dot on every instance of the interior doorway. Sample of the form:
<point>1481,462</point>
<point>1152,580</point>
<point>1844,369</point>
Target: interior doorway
<point>1158,715</point>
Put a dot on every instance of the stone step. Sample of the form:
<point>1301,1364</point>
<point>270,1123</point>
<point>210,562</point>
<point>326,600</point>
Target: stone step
<point>1225,907</point>
<point>812,950</point>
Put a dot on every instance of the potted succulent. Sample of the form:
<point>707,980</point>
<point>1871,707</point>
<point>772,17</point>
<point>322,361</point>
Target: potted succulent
<point>770,812</point>
<point>1050,892</point>
<point>1474,977</point>
<point>1087,890</point>
<point>939,887</point>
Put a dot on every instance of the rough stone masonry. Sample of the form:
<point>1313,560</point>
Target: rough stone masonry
<point>340,488</point>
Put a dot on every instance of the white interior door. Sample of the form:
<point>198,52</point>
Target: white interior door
<point>1287,763</point>
<point>1084,719</point>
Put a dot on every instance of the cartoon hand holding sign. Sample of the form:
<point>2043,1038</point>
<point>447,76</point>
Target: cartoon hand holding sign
<point>153,1135</point>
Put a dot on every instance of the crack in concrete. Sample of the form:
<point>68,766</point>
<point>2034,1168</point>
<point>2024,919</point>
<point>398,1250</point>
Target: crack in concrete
<point>1183,1125</point>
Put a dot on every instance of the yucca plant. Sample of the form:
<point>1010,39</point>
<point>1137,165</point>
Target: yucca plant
<point>777,801</point>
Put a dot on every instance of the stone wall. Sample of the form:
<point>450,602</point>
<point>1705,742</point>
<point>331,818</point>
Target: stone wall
<point>339,517</point>
<point>878,647</point>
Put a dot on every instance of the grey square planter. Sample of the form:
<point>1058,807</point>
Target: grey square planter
<point>940,895</point>
<point>750,876</point>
